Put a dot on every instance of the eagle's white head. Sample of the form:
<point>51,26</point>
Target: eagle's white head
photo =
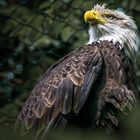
<point>114,26</point>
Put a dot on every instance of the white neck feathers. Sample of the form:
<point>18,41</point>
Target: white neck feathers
<point>127,37</point>
<point>92,35</point>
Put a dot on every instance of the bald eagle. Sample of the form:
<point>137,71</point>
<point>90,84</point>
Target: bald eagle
<point>91,86</point>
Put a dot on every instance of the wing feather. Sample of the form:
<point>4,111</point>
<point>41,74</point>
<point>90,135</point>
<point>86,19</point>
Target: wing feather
<point>63,88</point>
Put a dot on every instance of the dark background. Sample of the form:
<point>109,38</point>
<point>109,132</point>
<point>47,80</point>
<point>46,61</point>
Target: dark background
<point>36,33</point>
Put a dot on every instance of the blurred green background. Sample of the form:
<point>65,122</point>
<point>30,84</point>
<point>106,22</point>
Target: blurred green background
<point>36,33</point>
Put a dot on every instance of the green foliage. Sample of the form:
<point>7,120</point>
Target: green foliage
<point>33,36</point>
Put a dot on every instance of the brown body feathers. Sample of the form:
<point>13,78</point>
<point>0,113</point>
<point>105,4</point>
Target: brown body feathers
<point>97,78</point>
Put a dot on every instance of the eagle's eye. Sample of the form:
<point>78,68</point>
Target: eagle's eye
<point>108,16</point>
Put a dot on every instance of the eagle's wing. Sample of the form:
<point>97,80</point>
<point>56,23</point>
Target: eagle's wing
<point>63,88</point>
<point>119,94</point>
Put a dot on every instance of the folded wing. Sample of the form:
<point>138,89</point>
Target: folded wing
<point>64,88</point>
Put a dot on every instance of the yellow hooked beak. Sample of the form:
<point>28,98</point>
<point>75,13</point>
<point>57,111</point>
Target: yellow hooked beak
<point>94,17</point>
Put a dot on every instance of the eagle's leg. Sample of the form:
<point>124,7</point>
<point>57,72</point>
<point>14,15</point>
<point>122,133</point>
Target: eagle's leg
<point>114,101</point>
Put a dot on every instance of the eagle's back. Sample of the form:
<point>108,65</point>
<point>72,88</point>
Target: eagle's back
<point>90,85</point>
